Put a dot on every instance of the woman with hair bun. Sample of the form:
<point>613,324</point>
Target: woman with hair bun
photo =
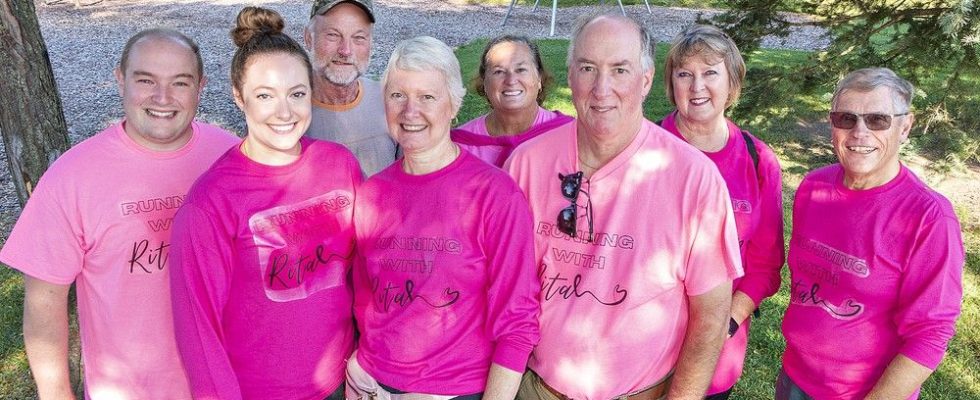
<point>262,244</point>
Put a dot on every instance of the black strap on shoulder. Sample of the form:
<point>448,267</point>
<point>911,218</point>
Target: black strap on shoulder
<point>753,152</point>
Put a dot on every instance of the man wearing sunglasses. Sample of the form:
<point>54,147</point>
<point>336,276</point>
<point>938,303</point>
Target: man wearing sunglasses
<point>634,236</point>
<point>876,258</point>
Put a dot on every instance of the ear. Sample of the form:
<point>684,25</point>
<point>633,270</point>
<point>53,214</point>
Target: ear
<point>648,80</point>
<point>237,96</point>
<point>120,79</point>
<point>201,84</point>
<point>909,120</point>
<point>308,34</point>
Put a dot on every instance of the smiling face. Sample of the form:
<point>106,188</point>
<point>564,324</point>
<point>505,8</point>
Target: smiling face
<point>276,102</point>
<point>341,44</point>
<point>870,158</point>
<point>512,81</point>
<point>418,109</point>
<point>160,91</point>
<point>701,90</point>
<point>608,82</point>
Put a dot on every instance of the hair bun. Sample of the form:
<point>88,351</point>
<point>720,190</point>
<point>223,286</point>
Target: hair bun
<point>256,21</point>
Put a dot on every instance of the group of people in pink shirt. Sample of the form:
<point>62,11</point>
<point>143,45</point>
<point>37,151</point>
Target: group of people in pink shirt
<point>525,254</point>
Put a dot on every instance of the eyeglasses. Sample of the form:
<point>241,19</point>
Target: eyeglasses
<point>874,121</point>
<point>571,186</point>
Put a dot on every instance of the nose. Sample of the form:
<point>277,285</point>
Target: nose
<point>510,79</point>
<point>161,94</point>
<point>602,86</point>
<point>410,108</point>
<point>284,111</point>
<point>697,84</point>
<point>345,47</point>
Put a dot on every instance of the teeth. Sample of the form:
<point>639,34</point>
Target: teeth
<point>699,102</point>
<point>512,92</point>
<point>601,109</point>
<point>161,114</point>
<point>861,149</point>
<point>413,128</point>
<point>282,128</point>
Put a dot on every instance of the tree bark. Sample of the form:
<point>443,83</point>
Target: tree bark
<point>31,120</point>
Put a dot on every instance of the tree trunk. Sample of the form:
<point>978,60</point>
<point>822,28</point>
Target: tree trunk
<point>31,120</point>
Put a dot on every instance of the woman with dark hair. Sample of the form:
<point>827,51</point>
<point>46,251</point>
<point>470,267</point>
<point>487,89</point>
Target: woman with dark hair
<point>515,84</point>
<point>703,77</point>
<point>262,244</point>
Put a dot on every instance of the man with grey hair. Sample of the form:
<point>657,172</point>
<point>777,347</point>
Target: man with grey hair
<point>347,107</point>
<point>637,267</point>
<point>100,218</point>
<point>876,288</point>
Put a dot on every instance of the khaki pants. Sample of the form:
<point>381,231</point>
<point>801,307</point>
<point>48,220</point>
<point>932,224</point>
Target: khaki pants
<point>362,386</point>
<point>534,388</point>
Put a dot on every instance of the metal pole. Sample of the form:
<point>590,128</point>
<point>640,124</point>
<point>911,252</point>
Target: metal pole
<point>509,9</point>
<point>554,12</point>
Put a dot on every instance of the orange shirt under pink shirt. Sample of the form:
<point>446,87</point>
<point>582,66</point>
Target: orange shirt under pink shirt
<point>101,217</point>
<point>615,312</point>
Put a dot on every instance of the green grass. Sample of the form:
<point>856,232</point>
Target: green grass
<point>794,128</point>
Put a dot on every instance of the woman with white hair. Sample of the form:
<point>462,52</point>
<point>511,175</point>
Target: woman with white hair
<point>445,288</point>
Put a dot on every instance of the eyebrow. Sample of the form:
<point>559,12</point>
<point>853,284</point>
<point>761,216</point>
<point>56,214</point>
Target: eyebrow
<point>300,86</point>
<point>182,75</point>
<point>621,63</point>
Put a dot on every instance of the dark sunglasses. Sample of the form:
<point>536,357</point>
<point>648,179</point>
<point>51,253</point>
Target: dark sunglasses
<point>571,186</point>
<point>874,121</point>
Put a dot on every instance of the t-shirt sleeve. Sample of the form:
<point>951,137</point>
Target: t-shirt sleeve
<point>765,251</point>
<point>200,276</point>
<point>513,299</point>
<point>714,256</point>
<point>48,241</point>
<point>931,291</point>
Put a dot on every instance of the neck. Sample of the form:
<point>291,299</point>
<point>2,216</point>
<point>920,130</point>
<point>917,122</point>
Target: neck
<point>596,151</point>
<point>328,93</point>
<point>512,123</point>
<point>431,160</point>
<point>273,158</point>
<point>865,182</point>
<point>707,136</point>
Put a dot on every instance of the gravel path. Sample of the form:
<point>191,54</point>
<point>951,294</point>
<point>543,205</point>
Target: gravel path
<point>84,45</point>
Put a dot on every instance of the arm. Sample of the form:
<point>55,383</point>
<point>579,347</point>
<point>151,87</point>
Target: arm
<point>930,296</point>
<point>200,279</point>
<point>502,383</point>
<point>902,377</point>
<point>46,337</point>
<point>764,250</point>
<point>707,328</point>
<point>513,298</point>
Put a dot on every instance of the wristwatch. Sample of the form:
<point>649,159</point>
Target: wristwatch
<point>732,327</point>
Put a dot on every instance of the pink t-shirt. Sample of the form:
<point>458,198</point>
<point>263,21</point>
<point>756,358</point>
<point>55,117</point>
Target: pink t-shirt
<point>261,255</point>
<point>445,282</point>
<point>101,217</point>
<point>494,152</point>
<point>614,312</point>
<point>757,200</point>
<point>875,273</point>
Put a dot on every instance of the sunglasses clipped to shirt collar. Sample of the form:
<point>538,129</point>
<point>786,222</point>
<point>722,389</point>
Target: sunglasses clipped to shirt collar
<point>571,187</point>
<point>874,121</point>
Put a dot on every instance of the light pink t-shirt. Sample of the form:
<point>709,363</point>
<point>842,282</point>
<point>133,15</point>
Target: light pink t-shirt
<point>261,256</point>
<point>614,312</point>
<point>874,273</point>
<point>101,217</point>
<point>445,281</point>
<point>757,200</point>
<point>491,154</point>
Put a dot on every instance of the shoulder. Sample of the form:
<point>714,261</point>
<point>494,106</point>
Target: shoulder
<point>475,125</point>
<point>547,142</point>
<point>932,203</point>
<point>92,155</point>
<point>214,134</point>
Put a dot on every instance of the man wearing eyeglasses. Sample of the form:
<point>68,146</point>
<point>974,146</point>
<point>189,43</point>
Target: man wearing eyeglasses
<point>876,258</point>
<point>634,236</point>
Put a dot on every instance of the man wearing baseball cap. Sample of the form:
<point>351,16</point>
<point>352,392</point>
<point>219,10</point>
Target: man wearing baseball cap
<point>348,107</point>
